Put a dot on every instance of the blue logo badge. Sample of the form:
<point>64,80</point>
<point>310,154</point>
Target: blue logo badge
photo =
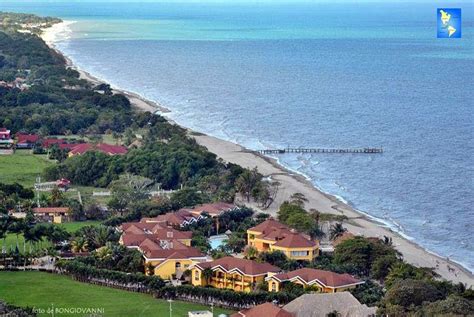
<point>449,23</point>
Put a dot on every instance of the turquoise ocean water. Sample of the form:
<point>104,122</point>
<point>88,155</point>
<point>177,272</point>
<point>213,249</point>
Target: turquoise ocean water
<point>314,75</point>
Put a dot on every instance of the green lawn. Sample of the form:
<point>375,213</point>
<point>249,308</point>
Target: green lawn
<point>22,167</point>
<point>76,225</point>
<point>42,290</point>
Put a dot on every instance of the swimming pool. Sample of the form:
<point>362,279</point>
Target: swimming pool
<point>217,241</point>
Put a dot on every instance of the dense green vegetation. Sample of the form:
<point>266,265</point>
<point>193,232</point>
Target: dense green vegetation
<point>41,290</point>
<point>23,21</point>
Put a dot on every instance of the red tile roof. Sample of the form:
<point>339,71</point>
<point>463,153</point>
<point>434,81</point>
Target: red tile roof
<point>27,138</point>
<point>213,209</point>
<point>285,237</point>
<point>141,227</point>
<point>168,249</point>
<point>49,142</point>
<point>101,147</point>
<point>294,240</point>
<point>153,231</point>
<point>177,218</point>
<point>47,210</point>
<point>268,226</point>
<point>263,310</point>
<point>325,278</point>
<point>247,267</point>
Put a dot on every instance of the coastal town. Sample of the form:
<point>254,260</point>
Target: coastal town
<point>118,211</point>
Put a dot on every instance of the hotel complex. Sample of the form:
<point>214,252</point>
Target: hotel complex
<point>232,273</point>
<point>319,280</point>
<point>272,235</point>
<point>167,252</point>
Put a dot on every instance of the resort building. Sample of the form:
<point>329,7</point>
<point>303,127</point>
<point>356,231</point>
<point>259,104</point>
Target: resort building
<point>187,216</point>
<point>167,251</point>
<point>53,214</point>
<point>108,149</point>
<point>322,281</point>
<point>263,310</point>
<point>134,233</point>
<point>213,209</point>
<point>232,273</point>
<point>321,305</point>
<point>178,219</point>
<point>272,235</point>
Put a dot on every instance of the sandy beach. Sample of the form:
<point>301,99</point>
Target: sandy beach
<point>358,223</point>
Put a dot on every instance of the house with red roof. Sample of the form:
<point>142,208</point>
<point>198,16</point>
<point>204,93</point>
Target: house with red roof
<point>272,235</point>
<point>323,281</point>
<point>167,251</point>
<point>26,141</point>
<point>108,149</point>
<point>240,275</point>
<point>53,214</point>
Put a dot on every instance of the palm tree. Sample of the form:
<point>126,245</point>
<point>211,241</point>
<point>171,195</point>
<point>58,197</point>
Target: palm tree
<point>79,245</point>
<point>101,236</point>
<point>336,231</point>
<point>247,182</point>
<point>17,227</point>
<point>316,233</point>
<point>104,253</point>
<point>251,253</point>
<point>315,214</point>
<point>298,199</point>
<point>207,274</point>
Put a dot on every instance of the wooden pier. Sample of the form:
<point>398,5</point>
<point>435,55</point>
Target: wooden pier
<point>368,150</point>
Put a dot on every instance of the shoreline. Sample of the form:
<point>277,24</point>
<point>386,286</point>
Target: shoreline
<point>359,223</point>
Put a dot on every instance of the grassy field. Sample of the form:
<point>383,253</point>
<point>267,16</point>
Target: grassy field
<point>22,167</point>
<point>42,290</point>
<point>76,225</point>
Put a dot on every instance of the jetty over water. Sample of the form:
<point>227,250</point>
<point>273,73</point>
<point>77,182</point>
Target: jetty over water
<point>367,150</point>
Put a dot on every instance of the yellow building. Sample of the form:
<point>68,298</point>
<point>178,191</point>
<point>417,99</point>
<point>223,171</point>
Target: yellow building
<point>232,273</point>
<point>167,251</point>
<point>272,235</point>
<point>53,214</point>
<point>169,259</point>
<point>323,281</point>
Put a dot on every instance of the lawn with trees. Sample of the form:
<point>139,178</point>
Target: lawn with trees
<point>42,290</point>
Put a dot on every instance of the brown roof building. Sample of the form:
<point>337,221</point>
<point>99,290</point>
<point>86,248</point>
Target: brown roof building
<point>166,251</point>
<point>108,149</point>
<point>234,273</point>
<point>53,214</point>
<point>325,281</point>
<point>320,305</point>
<point>272,235</point>
<point>213,209</point>
<point>263,310</point>
<point>178,219</point>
